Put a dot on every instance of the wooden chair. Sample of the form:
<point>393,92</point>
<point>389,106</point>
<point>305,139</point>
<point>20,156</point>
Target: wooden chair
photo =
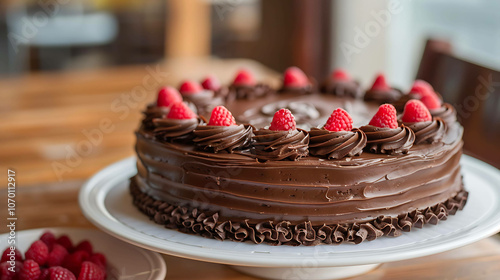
<point>474,90</point>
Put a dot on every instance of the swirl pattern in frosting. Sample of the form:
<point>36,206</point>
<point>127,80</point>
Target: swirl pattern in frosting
<point>172,129</point>
<point>447,113</point>
<point>223,138</point>
<point>343,88</point>
<point>387,140</point>
<point>279,145</point>
<point>383,96</point>
<point>245,92</point>
<point>336,144</point>
<point>153,112</point>
<point>428,132</point>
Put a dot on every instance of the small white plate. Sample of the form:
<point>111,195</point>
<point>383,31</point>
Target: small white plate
<point>106,202</point>
<point>124,260</point>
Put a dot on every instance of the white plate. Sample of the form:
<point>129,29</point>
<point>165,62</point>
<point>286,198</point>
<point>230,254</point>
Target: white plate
<point>105,201</point>
<point>124,260</point>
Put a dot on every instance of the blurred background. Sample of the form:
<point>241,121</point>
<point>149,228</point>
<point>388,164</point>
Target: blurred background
<point>65,64</point>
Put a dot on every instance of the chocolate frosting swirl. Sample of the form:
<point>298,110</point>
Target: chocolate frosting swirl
<point>172,129</point>
<point>401,102</point>
<point>428,132</point>
<point>342,88</point>
<point>336,144</point>
<point>208,224</point>
<point>301,90</point>
<point>383,96</point>
<point>223,138</point>
<point>279,145</point>
<point>447,113</point>
<point>203,101</point>
<point>234,92</point>
<point>153,112</point>
<point>387,140</point>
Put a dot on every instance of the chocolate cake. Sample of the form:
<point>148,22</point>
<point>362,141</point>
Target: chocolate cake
<point>258,178</point>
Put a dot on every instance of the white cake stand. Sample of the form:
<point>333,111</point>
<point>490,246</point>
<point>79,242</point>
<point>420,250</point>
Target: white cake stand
<point>105,201</point>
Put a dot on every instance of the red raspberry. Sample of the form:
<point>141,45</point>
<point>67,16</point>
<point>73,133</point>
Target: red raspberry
<point>74,261</point>
<point>385,117</point>
<point>340,75</point>
<point>38,251</point>
<point>84,245</point>
<point>7,274</point>
<point>339,120</point>
<point>415,111</point>
<point>190,87</point>
<point>49,239</point>
<point>431,100</point>
<point>17,256</point>
<point>65,241</point>
<point>294,78</point>
<point>91,271</point>
<point>30,271</point>
<point>244,78</point>
<point>57,255</point>
<point>210,83</point>
<point>221,117</point>
<point>421,87</point>
<point>60,273</point>
<point>44,274</point>
<point>98,259</point>
<point>283,120</point>
<point>168,96</point>
<point>181,111</point>
<point>380,83</point>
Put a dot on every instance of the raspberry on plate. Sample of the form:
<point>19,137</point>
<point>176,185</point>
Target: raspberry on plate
<point>167,96</point>
<point>6,256</point>
<point>38,251</point>
<point>57,255</point>
<point>283,120</point>
<point>415,111</point>
<point>74,261</point>
<point>339,120</point>
<point>181,111</point>
<point>7,274</point>
<point>221,117</point>
<point>49,239</point>
<point>385,117</point>
<point>98,259</point>
<point>84,246</point>
<point>61,273</point>
<point>30,271</point>
<point>65,241</point>
<point>91,271</point>
<point>294,78</point>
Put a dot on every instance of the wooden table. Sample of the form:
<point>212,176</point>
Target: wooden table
<point>44,116</point>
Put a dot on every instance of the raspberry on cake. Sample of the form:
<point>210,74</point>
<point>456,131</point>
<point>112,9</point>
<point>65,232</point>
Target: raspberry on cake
<point>283,120</point>
<point>221,117</point>
<point>415,111</point>
<point>295,78</point>
<point>341,84</point>
<point>339,120</point>
<point>244,78</point>
<point>181,111</point>
<point>190,87</point>
<point>380,84</point>
<point>340,75</point>
<point>211,83</point>
<point>386,116</point>
<point>381,92</point>
<point>167,96</point>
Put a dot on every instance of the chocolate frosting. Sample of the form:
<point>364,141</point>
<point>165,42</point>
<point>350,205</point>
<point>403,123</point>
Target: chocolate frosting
<point>234,92</point>
<point>172,129</point>
<point>401,102</point>
<point>336,144</point>
<point>203,101</point>
<point>223,138</point>
<point>279,145</point>
<point>153,112</point>
<point>339,88</point>
<point>301,90</point>
<point>387,140</point>
<point>428,132</point>
<point>383,96</point>
<point>447,113</point>
<point>208,224</point>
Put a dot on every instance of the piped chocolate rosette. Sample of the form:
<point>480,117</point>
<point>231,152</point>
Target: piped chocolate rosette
<point>178,125</point>
<point>383,134</point>
<point>381,92</point>
<point>282,140</point>
<point>222,134</point>
<point>296,81</point>
<point>417,117</point>
<point>339,83</point>
<point>337,139</point>
<point>167,96</point>
<point>244,86</point>
<point>201,100</point>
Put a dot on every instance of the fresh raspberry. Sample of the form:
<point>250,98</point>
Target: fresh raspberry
<point>415,111</point>
<point>65,241</point>
<point>190,87</point>
<point>421,87</point>
<point>283,120</point>
<point>210,83</point>
<point>57,255</point>
<point>244,78</point>
<point>380,83</point>
<point>221,117</point>
<point>340,75</point>
<point>294,78</point>
<point>339,120</point>
<point>91,271</point>
<point>49,239</point>
<point>38,251</point>
<point>16,255</point>
<point>74,261</point>
<point>431,100</point>
<point>385,117</point>
<point>61,273</point>
<point>44,274</point>
<point>84,245</point>
<point>30,271</point>
<point>98,259</point>
<point>167,96</point>
<point>181,111</point>
<point>7,274</point>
